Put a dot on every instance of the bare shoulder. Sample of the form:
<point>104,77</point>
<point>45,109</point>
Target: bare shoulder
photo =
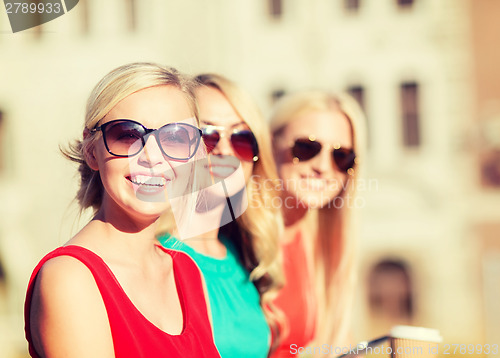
<point>64,267</point>
<point>68,317</point>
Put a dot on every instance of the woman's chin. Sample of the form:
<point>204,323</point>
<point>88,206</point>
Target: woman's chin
<point>151,195</point>
<point>148,211</point>
<point>313,200</point>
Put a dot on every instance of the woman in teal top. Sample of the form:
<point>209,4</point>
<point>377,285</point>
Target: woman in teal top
<point>241,271</point>
<point>239,324</point>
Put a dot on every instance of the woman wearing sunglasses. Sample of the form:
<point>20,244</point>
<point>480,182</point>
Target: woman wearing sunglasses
<point>239,260</point>
<point>317,141</point>
<point>112,291</point>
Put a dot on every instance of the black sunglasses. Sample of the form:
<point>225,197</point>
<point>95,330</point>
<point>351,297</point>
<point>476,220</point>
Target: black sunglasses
<point>126,138</point>
<point>243,141</point>
<point>304,149</point>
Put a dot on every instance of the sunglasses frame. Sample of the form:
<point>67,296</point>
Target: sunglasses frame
<point>336,148</point>
<point>145,136</point>
<point>221,131</point>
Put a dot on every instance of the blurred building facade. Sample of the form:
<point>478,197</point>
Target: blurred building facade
<point>424,71</point>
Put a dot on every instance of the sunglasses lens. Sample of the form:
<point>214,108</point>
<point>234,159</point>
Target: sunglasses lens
<point>344,158</point>
<point>245,145</point>
<point>123,138</point>
<point>178,140</point>
<point>305,149</point>
<point>211,138</point>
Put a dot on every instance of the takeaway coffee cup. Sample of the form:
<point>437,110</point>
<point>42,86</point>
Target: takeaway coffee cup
<point>414,342</point>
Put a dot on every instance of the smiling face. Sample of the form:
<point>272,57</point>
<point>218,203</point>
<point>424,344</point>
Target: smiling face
<point>215,110</point>
<point>314,182</point>
<point>136,186</point>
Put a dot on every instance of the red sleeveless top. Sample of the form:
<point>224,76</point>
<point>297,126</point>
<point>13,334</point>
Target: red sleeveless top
<point>134,335</point>
<point>296,300</point>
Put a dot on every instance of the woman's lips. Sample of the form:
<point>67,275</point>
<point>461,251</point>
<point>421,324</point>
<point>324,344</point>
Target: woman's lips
<point>148,180</point>
<point>148,184</point>
<point>222,166</point>
<point>315,183</point>
<point>221,171</point>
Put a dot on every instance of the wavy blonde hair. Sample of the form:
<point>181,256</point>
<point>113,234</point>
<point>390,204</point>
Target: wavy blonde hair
<point>332,252</point>
<point>111,89</point>
<point>256,232</point>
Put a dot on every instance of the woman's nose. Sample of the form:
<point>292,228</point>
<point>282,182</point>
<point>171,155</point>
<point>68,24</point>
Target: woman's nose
<point>151,154</point>
<point>323,161</point>
<point>223,146</point>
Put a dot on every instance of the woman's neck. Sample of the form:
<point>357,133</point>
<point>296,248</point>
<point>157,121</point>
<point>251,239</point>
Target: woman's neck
<point>295,218</point>
<point>206,240</point>
<point>208,244</point>
<point>118,238</point>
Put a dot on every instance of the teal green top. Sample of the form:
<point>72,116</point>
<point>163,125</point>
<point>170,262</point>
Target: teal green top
<point>240,328</point>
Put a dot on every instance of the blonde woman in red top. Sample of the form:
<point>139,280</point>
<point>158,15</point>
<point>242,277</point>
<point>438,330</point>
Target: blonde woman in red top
<point>318,142</point>
<point>112,291</point>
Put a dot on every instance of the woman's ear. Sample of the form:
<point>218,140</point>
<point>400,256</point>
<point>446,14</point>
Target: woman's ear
<point>89,151</point>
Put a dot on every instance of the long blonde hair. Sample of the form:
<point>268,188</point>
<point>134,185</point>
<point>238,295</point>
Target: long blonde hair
<point>111,89</point>
<point>332,252</point>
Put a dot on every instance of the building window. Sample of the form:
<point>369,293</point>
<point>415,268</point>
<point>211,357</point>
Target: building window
<point>490,168</point>
<point>131,15</point>
<point>2,142</point>
<point>352,5</point>
<point>84,10</point>
<point>3,290</point>
<point>275,8</point>
<point>488,149</point>
<point>405,3</point>
<point>390,292</point>
<point>2,274</point>
<point>410,114</point>
<point>358,92</point>
<point>277,94</point>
